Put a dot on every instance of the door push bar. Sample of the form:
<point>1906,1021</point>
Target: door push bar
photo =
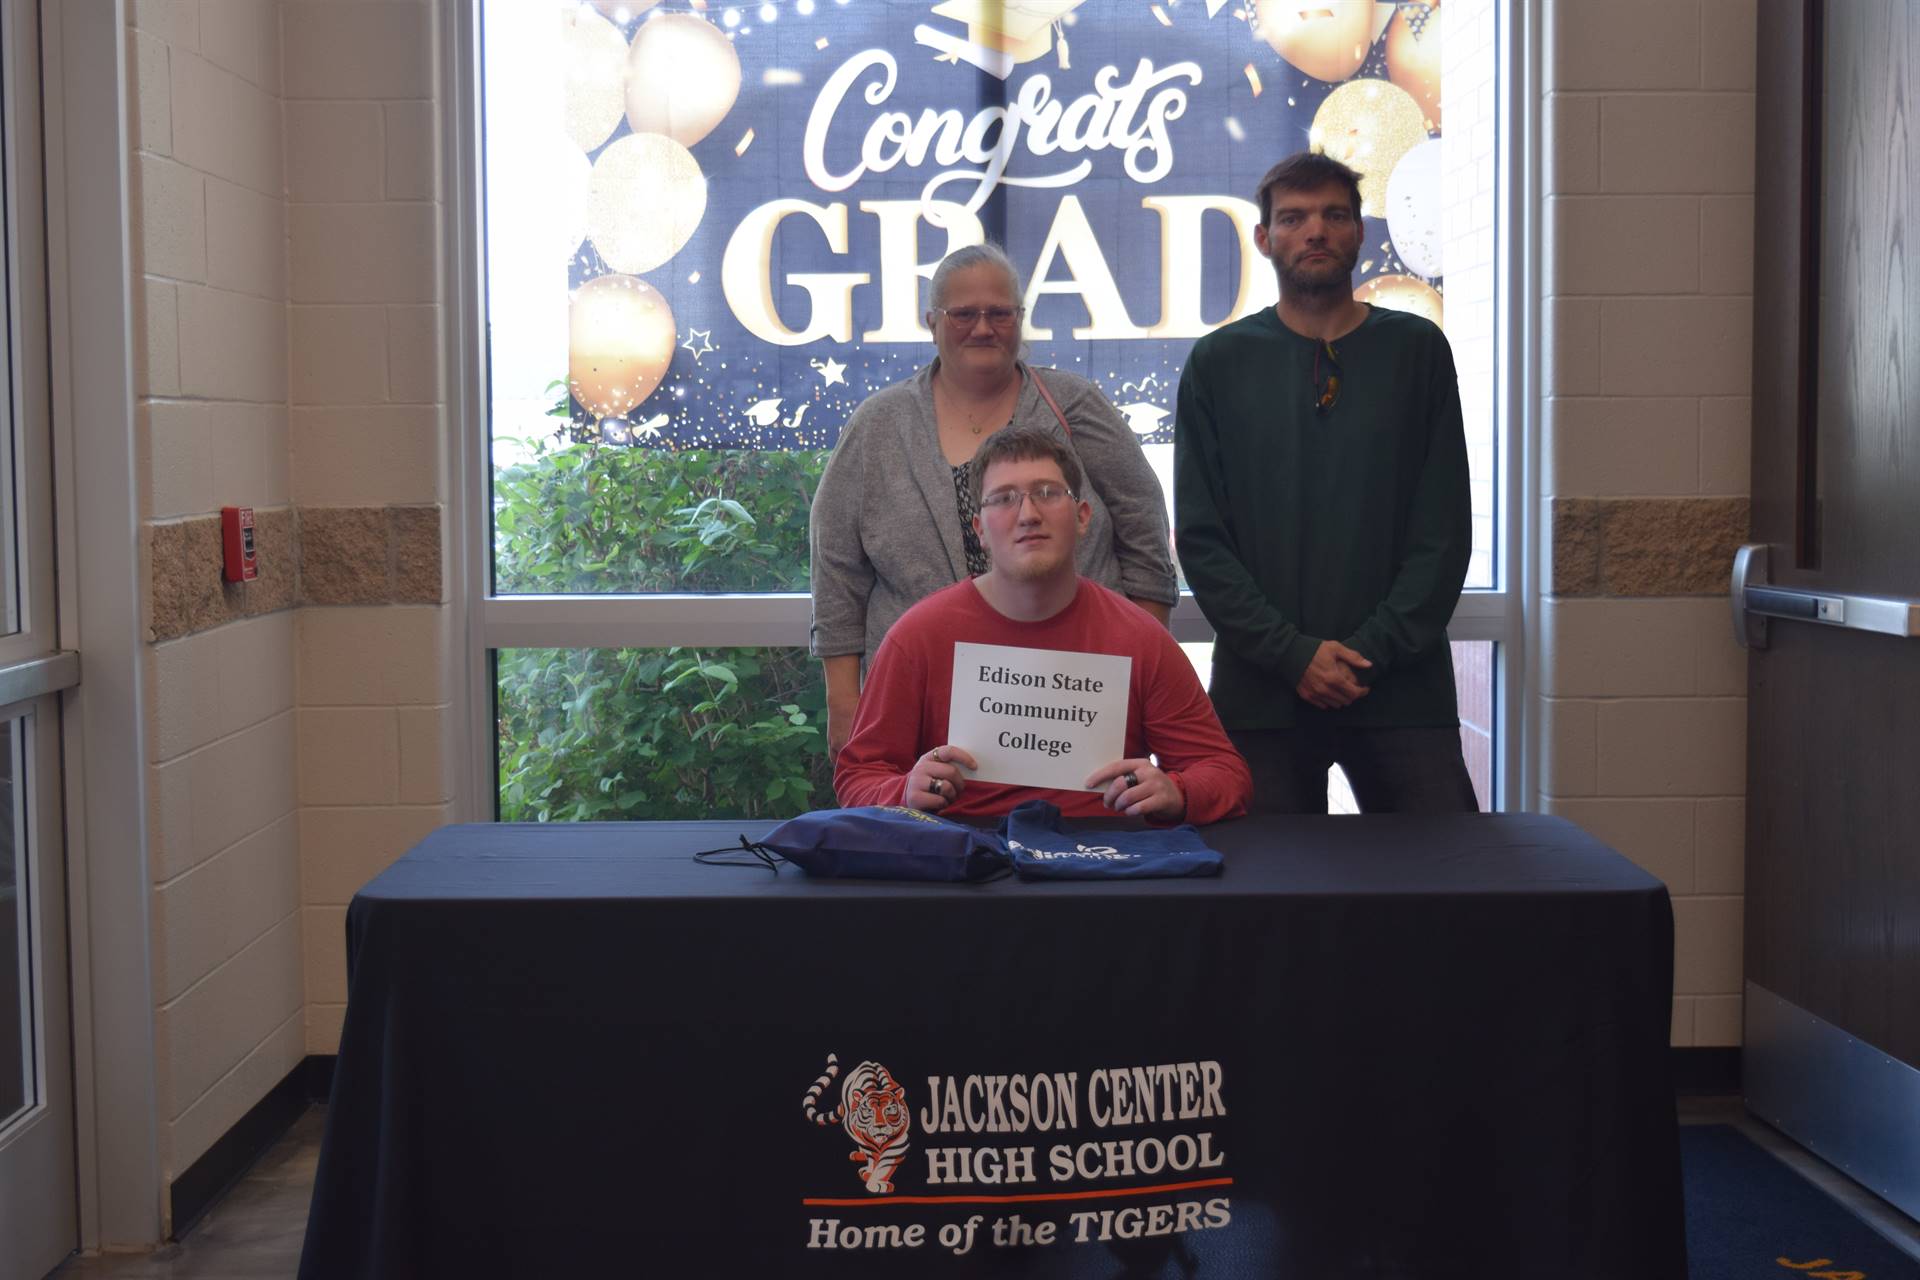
<point>1754,602</point>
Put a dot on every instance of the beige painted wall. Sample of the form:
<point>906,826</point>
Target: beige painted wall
<point>290,278</point>
<point>1648,247</point>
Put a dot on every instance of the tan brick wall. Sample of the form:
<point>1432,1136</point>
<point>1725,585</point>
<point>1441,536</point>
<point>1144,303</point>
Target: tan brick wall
<point>367,440</point>
<point>1647,257</point>
<point>209,228</point>
<point>288,357</point>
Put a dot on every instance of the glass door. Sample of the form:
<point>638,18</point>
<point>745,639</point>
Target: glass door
<point>38,1220</point>
<point>37,1190</point>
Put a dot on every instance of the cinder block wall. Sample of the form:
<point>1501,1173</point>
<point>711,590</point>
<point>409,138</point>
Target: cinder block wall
<point>1649,151</point>
<point>286,237</point>
<point>374,641</point>
<point>209,230</point>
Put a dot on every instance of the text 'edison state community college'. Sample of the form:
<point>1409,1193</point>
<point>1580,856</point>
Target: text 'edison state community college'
<point>1059,681</point>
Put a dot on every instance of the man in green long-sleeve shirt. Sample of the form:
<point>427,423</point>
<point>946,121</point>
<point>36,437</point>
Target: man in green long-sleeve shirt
<point>1323,520</point>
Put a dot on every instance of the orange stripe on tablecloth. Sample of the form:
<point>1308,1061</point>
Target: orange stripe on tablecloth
<point>1036,1197</point>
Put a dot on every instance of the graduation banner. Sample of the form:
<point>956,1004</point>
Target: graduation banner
<point>711,226</point>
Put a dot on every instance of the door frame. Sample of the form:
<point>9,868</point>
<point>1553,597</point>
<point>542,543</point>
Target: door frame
<point>84,61</point>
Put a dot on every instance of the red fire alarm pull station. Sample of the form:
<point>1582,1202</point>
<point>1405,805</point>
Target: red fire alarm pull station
<point>236,535</point>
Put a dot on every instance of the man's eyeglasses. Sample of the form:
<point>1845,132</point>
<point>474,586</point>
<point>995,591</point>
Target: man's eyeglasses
<point>1045,497</point>
<point>963,319</point>
<point>1326,385</point>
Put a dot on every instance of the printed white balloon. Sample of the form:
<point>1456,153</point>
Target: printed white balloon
<point>1413,210</point>
<point>595,75</point>
<point>683,76</point>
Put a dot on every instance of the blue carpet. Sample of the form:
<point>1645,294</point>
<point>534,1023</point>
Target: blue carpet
<point>1749,1215</point>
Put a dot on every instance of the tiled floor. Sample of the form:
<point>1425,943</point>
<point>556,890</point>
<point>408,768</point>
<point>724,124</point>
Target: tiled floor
<point>254,1234</point>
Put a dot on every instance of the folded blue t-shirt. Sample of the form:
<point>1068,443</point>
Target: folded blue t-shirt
<point>1043,848</point>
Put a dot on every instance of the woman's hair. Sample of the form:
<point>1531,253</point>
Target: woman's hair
<point>1024,444</point>
<point>973,255</point>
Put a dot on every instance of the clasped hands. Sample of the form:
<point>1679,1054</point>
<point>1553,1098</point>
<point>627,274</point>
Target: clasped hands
<point>1332,679</point>
<point>1136,787</point>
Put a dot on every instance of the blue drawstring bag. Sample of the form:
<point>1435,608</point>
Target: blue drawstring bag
<point>879,842</point>
<point>1043,848</point>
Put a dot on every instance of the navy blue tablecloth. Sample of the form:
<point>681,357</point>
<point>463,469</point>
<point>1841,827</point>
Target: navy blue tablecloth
<point>1381,1046</point>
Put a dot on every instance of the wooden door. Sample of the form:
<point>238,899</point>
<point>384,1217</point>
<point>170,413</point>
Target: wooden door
<point>1833,771</point>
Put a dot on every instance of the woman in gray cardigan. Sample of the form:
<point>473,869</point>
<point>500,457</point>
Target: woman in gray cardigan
<point>893,518</point>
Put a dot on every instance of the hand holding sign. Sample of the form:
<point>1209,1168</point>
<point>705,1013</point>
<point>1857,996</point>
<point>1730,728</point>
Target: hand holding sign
<point>935,781</point>
<point>1139,789</point>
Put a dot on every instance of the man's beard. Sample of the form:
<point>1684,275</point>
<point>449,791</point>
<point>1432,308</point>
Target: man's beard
<point>1034,568</point>
<point>1333,279</point>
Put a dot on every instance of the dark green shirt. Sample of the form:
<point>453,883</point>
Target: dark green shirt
<point>1296,524</point>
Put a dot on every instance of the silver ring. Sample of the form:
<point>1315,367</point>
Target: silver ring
<point>938,786</point>
<point>1133,779</point>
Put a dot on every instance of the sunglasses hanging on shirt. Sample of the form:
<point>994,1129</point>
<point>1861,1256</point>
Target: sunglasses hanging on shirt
<point>1326,377</point>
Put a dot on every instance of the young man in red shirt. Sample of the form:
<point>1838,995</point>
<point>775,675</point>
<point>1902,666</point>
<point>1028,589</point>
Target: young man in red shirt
<point>1030,517</point>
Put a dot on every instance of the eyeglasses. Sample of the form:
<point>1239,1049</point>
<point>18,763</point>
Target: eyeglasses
<point>1326,387</point>
<point>1046,497</point>
<point>963,319</point>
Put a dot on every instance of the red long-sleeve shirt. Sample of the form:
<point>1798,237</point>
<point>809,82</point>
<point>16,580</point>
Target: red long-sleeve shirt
<point>903,706</point>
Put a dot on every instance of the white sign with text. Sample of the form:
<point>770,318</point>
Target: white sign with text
<point>1038,717</point>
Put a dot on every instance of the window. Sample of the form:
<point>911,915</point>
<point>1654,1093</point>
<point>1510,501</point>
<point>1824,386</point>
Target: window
<point>707,233</point>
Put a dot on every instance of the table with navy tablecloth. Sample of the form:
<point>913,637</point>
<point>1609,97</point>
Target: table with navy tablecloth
<point>1376,1046</point>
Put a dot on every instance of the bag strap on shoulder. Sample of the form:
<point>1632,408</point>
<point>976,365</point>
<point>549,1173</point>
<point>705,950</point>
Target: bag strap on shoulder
<point>1052,404</point>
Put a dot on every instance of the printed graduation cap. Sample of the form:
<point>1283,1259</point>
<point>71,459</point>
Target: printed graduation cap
<point>1020,28</point>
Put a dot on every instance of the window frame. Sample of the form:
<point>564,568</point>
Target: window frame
<point>1504,613</point>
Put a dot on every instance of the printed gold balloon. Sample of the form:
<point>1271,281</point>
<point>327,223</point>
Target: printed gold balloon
<point>1327,39</point>
<point>648,195</point>
<point>595,75</point>
<point>620,340</point>
<point>682,77</point>
<point>1368,125</point>
<point>1403,293</point>
<point>1413,56</point>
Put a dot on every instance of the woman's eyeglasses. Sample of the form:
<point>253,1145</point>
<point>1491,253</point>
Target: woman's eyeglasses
<point>1326,383</point>
<point>963,319</point>
<point>1045,497</point>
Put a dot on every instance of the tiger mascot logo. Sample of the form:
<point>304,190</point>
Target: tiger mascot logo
<point>873,1110</point>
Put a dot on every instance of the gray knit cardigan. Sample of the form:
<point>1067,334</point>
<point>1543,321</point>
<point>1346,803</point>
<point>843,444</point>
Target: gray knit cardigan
<point>886,530</point>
